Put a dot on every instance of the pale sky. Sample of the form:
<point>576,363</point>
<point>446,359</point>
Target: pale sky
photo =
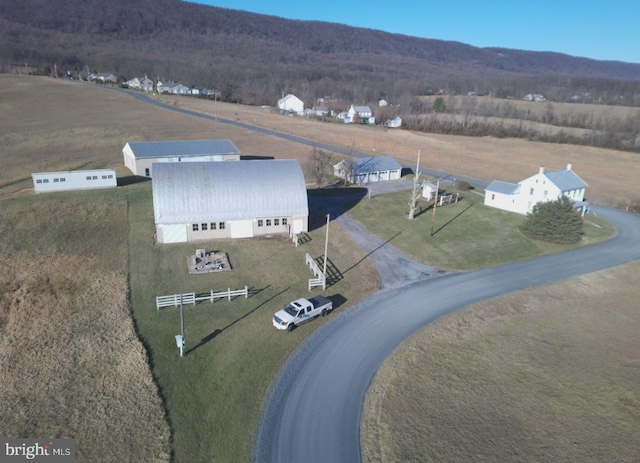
<point>598,29</point>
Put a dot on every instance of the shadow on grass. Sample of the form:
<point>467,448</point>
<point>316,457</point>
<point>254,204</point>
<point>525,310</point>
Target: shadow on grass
<point>334,275</point>
<point>132,179</point>
<point>216,332</point>
<point>453,218</point>
<point>338,300</point>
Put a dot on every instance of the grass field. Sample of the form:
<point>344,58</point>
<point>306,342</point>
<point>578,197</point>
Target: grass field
<point>545,374</point>
<point>466,235</point>
<point>80,263</point>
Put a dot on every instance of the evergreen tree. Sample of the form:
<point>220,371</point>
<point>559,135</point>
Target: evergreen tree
<point>554,222</point>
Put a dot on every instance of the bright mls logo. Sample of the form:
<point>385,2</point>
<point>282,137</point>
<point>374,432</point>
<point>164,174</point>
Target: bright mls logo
<point>38,450</point>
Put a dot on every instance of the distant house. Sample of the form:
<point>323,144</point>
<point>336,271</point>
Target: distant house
<point>362,114</point>
<point>145,84</point>
<point>534,97</point>
<point>383,103</point>
<point>291,104</point>
<point>139,157</point>
<point>368,169</point>
<point>104,78</point>
<point>394,123</point>
<point>544,186</point>
<point>207,200</point>
<point>46,182</point>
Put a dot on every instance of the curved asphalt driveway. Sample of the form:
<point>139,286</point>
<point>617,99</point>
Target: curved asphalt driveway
<point>313,412</point>
<point>314,408</point>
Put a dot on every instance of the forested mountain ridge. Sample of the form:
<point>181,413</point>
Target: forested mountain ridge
<point>254,58</point>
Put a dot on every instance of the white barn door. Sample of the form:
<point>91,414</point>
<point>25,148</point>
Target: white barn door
<point>241,228</point>
<point>172,233</point>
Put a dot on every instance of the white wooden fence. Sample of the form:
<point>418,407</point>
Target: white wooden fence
<point>319,279</point>
<point>191,298</point>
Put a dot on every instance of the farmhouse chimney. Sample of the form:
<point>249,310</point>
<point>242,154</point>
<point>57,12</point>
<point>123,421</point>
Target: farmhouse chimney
<point>569,166</point>
<point>541,170</point>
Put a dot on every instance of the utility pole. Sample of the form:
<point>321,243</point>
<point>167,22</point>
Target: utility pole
<point>180,337</point>
<point>326,248</point>
<point>435,203</point>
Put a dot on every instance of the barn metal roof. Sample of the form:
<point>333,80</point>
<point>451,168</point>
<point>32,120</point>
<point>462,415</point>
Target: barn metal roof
<point>505,188</point>
<point>189,192</point>
<point>376,164</point>
<point>566,180</point>
<point>182,148</point>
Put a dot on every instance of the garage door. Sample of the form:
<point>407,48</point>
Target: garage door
<point>174,233</point>
<point>241,228</point>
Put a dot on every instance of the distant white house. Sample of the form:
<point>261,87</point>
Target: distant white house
<point>46,182</point>
<point>394,123</point>
<point>368,169</point>
<point>104,77</point>
<point>206,200</point>
<point>362,114</point>
<point>144,83</point>
<point>544,186</point>
<point>534,97</point>
<point>139,157</point>
<point>383,103</point>
<point>291,104</point>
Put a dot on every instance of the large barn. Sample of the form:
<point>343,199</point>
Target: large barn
<point>196,201</point>
<point>140,156</point>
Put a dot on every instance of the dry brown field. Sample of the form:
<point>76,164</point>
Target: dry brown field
<point>611,175</point>
<point>543,374</point>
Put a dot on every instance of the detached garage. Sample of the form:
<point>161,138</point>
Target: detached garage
<point>368,169</point>
<point>140,156</point>
<point>196,201</point>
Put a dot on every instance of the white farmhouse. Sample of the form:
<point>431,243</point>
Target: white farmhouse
<point>362,114</point>
<point>544,186</point>
<point>368,169</point>
<point>196,201</point>
<point>46,182</point>
<point>291,104</point>
<point>140,156</point>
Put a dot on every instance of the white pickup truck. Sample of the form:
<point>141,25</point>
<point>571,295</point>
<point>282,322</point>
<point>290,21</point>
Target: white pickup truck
<point>301,311</point>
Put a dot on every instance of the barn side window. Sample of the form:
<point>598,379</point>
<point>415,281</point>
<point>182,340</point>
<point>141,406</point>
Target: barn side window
<point>46,180</point>
<point>104,177</point>
<point>62,179</point>
<point>268,222</point>
<point>276,222</point>
<point>284,221</point>
<point>222,225</point>
<point>213,225</point>
<point>38,181</point>
<point>260,223</point>
<point>95,177</point>
<point>194,227</point>
<point>204,227</point>
<point>88,177</point>
<point>56,180</point>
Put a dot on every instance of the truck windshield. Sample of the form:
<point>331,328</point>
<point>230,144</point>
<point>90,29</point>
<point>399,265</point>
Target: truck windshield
<point>291,311</point>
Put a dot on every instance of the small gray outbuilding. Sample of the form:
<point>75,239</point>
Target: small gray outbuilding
<point>140,156</point>
<point>45,182</point>
<point>194,201</point>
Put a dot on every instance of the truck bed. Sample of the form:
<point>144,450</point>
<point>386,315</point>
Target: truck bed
<point>320,301</point>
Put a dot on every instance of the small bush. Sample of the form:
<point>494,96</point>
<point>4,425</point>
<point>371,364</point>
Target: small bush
<point>554,222</point>
<point>461,185</point>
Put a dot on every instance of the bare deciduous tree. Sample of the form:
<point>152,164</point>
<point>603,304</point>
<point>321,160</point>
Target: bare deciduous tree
<point>415,192</point>
<point>321,165</point>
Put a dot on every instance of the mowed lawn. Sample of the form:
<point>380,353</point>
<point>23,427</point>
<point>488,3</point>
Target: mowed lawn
<point>548,374</point>
<point>467,235</point>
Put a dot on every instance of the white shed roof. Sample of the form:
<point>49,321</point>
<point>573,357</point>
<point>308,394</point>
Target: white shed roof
<point>182,148</point>
<point>188,192</point>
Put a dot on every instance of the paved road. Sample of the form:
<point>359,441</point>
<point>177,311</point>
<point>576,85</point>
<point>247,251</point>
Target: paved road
<point>313,412</point>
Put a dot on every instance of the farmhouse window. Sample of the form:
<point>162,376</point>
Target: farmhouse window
<point>194,227</point>
<point>268,222</point>
<point>493,196</point>
<point>204,227</point>
<point>276,222</point>
<point>146,172</point>
<point>213,225</point>
<point>531,191</point>
<point>221,225</point>
<point>546,193</point>
<point>260,222</point>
